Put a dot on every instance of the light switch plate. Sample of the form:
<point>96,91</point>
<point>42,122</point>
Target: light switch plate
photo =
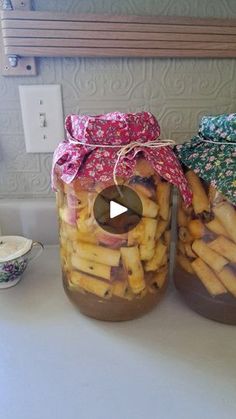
<point>42,114</point>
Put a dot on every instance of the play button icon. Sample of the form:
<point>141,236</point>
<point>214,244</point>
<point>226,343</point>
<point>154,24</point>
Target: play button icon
<point>117,209</point>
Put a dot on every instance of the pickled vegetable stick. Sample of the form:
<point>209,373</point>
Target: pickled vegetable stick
<point>93,268</point>
<point>163,199</point>
<point>189,251</point>
<point>208,277</point>
<point>224,247</point>
<point>142,189</point>
<point>73,234</point>
<point>226,214</point>
<point>68,215</point>
<point>110,257</point>
<point>216,227</point>
<point>167,238</point>
<point>140,295</point>
<point>156,262</point>
<point>162,225</point>
<point>200,199</point>
<point>184,263</point>
<point>212,193</point>
<point>147,251</point>
<point>209,256</point>
<point>136,235</point>
<point>228,279</point>
<point>214,196</point>
<point>91,284</point>
<point>184,235</point>
<point>73,286</point>
<point>120,289</point>
<point>182,218</point>
<point>150,226</point>
<point>89,237</point>
<point>143,168</point>
<point>79,200</point>
<point>69,231</point>
<point>196,229</point>
<point>133,266</point>
<point>160,278</point>
<point>149,207</point>
<point>144,235</point>
<point>86,221</point>
<point>147,246</point>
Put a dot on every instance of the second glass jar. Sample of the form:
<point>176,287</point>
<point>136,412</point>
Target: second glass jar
<point>206,252</point>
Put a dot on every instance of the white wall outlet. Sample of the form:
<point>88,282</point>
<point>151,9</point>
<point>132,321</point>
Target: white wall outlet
<point>42,114</point>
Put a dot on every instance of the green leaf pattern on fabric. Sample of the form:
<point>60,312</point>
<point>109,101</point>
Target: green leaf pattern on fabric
<point>214,163</point>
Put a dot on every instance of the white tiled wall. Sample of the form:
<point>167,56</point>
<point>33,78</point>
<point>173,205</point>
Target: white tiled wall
<point>177,91</point>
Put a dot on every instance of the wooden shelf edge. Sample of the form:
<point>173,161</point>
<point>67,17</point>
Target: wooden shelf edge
<point>26,34</point>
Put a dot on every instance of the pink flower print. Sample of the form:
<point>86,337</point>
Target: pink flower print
<point>228,161</point>
<point>229,173</point>
<point>223,134</point>
<point>99,133</point>
<point>106,153</point>
<point>212,158</point>
<point>208,166</point>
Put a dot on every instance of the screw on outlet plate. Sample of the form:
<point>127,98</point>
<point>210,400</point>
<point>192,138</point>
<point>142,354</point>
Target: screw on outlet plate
<point>13,60</point>
<point>6,5</point>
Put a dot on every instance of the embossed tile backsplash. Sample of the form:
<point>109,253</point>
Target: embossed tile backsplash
<point>177,91</point>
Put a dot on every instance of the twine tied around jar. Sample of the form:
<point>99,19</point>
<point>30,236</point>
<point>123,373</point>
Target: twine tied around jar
<point>102,148</point>
<point>125,149</point>
<point>205,139</point>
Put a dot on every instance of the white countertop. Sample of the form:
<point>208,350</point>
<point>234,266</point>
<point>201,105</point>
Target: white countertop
<point>57,364</point>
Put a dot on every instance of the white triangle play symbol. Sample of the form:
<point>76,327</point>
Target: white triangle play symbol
<point>116,209</point>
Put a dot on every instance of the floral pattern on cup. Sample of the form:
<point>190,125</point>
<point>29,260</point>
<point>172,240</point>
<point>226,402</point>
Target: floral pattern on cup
<point>10,271</point>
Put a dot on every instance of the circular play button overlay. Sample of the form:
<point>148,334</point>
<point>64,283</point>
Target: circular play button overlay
<point>117,209</point>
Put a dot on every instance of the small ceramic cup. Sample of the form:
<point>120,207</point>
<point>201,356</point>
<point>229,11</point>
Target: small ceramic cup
<point>13,264</point>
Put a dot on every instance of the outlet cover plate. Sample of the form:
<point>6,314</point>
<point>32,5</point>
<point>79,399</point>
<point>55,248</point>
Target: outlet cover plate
<point>42,103</point>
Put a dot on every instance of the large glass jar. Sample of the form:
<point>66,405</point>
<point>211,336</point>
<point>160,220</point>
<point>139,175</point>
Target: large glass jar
<point>206,252</point>
<point>114,275</point>
<point>206,249</point>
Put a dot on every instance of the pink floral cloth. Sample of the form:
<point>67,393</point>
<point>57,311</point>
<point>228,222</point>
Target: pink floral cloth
<point>72,159</point>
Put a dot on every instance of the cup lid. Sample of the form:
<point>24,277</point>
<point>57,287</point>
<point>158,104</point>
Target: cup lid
<point>12,247</point>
